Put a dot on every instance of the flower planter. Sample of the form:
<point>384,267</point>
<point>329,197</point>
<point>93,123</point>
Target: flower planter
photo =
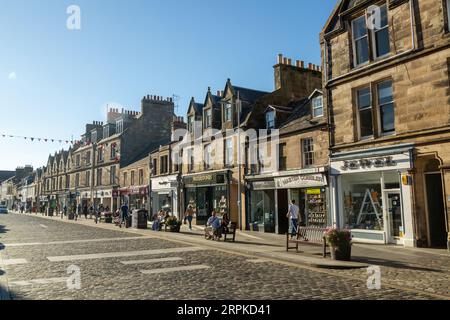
<point>174,228</point>
<point>343,253</point>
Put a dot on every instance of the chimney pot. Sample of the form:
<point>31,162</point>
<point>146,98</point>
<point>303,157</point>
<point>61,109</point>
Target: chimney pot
<point>289,61</point>
<point>285,60</point>
<point>280,58</point>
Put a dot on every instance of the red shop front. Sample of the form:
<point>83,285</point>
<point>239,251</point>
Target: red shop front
<point>136,197</point>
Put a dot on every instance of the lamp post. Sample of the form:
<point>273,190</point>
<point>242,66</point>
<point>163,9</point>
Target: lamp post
<point>239,107</point>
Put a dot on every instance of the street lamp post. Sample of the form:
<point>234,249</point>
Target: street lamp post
<point>239,106</point>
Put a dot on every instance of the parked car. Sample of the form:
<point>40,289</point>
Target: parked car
<point>3,209</point>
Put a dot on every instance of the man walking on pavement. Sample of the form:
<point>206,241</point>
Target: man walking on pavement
<point>293,214</point>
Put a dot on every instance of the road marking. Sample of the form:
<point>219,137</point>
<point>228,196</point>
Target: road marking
<point>43,226</point>
<point>151,261</point>
<point>122,254</point>
<point>12,262</point>
<point>71,241</point>
<point>25,283</point>
<point>258,261</point>
<point>249,236</point>
<point>176,269</point>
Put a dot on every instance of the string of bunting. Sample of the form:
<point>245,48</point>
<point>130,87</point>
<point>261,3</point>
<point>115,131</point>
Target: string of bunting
<point>32,139</point>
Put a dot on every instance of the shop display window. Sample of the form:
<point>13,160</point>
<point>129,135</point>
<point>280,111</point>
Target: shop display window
<point>262,216</point>
<point>363,203</point>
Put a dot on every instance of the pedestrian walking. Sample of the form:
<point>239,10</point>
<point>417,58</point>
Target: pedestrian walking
<point>85,211</point>
<point>189,216</point>
<point>293,214</point>
<point>124,212</point>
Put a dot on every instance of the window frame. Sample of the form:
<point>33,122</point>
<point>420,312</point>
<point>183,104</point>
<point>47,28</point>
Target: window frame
<point>132,177</point>
<point>191,124</point>
<point>304,157</point>
<point>373,37</point>
<point>358,112</point>
<point>314,108</point>
<point>282,157</point>
<point>208,118</point>
<point>207,157</point>
<point>355,40</point>
<point>379,107</point>
<point>141,177</point>
<point>273,121</point>
<point>228,112</point>
<point>99,177</point>
<point>191,160</point>
<point>447,7</point>
<point>112,175</point>
<point>229,155</point>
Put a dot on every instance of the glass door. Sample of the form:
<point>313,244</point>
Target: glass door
<point>394,216</point>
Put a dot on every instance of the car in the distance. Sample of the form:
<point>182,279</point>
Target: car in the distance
<point>3,209</point>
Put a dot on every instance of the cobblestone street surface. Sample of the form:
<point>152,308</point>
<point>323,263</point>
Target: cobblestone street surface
<point>35,255</point>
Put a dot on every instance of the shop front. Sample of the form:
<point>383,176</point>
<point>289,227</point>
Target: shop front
<point>165,195</point>
<point>373,195</point>
<point>206,192</point>
<point>270,196</point>
<point>136,197</point>
<point>309,190</point>
<point>105,198</point>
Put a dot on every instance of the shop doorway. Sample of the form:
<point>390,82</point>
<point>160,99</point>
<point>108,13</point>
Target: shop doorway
<point>204,205</point>
<point>394,217</point>
<point>283,207</point>
<point>437,231</point>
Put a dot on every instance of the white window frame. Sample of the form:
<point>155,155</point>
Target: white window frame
<point>379,106</point>
<point>229,152</point>
<point>208,118</point>
<point>315,107</point>
<point>228,112</point>
<point>271,112</point>
<point>358,112</point>
<point>191,123</point>
<point>354,40</point>
<point>374,40</point>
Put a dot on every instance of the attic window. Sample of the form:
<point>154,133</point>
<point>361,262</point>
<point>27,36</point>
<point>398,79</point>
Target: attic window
<point>317,105</point>
<point>191,124</point>
<point>270,119</point>
<point>208,118</point>
<point>228,112</point>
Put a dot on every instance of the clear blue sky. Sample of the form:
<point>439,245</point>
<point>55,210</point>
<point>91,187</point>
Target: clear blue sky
<point>53,81</point>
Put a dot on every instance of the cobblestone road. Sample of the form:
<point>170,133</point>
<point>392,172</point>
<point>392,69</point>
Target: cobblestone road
<point>35,255</point>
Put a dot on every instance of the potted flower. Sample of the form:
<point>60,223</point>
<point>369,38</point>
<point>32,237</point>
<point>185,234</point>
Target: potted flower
<point>174,224</point>
<point>340,242</point>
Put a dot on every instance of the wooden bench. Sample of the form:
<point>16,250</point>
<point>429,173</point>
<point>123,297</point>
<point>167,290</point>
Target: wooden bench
<point>231,230</point>
<point>308,236</point>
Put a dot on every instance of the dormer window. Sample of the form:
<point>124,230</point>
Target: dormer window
<point>208,118</point>
<point>228,112</point>
<point>191,123</point>
<point>317,106</point>
<point>270,119</point>
<point>119,126</point>
<point>106,132</point>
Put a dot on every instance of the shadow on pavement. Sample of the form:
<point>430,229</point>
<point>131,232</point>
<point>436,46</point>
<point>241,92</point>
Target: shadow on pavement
<point>393,264</point>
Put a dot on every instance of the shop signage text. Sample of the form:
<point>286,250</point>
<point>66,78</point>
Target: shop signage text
<point>368,164</point>
<point>302,181</point>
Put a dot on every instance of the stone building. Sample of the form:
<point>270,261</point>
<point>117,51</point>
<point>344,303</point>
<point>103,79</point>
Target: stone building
<point>134,184</point>
<point>213,164</point>
<point>165,174</point>
<point>386,87</point>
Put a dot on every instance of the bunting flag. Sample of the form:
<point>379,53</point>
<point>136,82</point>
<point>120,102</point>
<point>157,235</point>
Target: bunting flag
<point>32,139</point>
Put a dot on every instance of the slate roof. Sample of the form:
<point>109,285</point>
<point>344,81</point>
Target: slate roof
<point>5,175</point>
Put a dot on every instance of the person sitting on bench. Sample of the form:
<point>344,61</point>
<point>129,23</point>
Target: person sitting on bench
<point>213,227</point>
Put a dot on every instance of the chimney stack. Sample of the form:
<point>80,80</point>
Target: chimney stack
<point>280,58</point>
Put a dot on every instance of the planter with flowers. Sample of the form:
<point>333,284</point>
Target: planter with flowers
<point>340,242</point>
<point>173,224</point>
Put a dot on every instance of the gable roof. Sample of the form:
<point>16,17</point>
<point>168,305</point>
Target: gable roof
<point>198,107</point>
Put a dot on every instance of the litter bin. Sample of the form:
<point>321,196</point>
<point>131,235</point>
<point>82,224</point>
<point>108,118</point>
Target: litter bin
<point>139,219</point>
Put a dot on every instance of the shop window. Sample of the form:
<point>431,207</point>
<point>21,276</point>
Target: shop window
<point>386,107</point>
<point>220,203</point>
<point>164,165</point>
<point>308,152</point>
<point>363,206</point>
<point>317,105</point>
<point>77,181</point>
<point>282,160</point>
<point>262,213</point>
<point>364,106</point>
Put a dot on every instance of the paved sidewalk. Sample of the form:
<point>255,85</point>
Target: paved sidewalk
<point>417,270</point>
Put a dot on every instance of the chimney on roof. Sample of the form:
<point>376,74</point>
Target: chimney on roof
<point>280,59</point>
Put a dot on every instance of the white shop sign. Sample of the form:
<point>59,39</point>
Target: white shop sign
<point>302,181</point>
<point>382,163</point>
